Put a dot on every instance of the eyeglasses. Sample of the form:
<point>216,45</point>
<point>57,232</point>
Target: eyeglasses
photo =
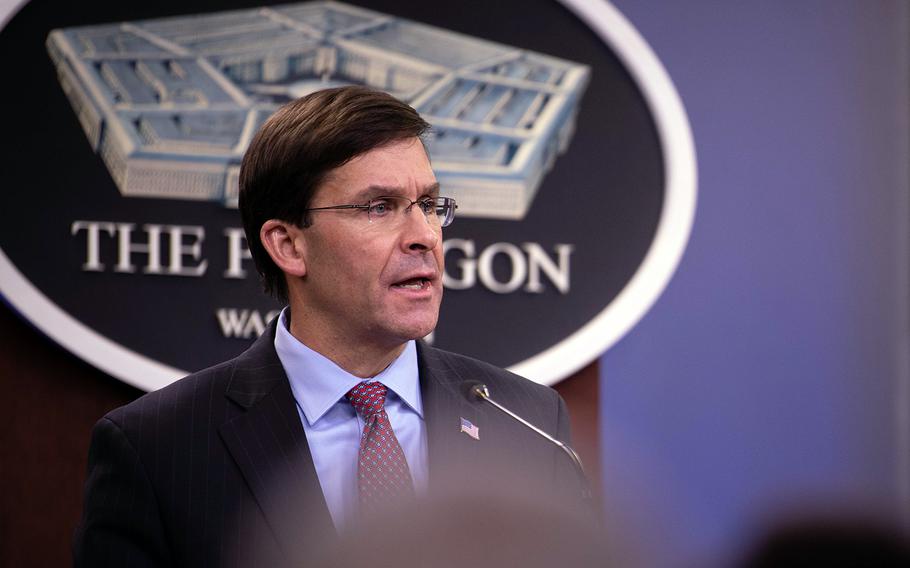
<point>389,210</point>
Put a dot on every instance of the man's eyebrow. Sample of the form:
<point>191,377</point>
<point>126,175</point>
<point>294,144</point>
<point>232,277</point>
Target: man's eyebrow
<point>432,190</point>
<point>374,191</point>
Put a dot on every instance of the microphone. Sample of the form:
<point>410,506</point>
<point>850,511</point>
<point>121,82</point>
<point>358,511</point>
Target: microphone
<point>475,390</point>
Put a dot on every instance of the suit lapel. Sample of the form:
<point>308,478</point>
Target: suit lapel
<point>451,451</point>
<point>269,446</point>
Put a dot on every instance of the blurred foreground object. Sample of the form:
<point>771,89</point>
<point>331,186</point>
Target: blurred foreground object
<point>833,542</point>
<point>481,530</point>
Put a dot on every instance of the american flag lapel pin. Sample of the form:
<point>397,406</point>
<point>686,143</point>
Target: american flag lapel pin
<point>470,429</point>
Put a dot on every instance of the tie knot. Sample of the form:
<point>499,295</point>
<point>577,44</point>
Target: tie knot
<point>367,398</point>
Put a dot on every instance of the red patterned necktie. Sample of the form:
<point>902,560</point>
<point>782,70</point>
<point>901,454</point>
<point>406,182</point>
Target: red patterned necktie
<point>382,473</point>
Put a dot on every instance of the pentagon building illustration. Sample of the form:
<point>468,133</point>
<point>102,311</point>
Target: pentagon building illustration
<point>171,104</point>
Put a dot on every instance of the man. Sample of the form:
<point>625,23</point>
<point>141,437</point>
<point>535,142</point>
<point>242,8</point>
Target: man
<point>336,411</point>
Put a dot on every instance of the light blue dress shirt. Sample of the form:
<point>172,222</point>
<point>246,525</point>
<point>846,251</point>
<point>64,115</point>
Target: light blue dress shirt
<point>333,428</point>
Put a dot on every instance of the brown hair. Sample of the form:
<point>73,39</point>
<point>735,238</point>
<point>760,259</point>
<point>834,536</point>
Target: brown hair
<point>302,142</point>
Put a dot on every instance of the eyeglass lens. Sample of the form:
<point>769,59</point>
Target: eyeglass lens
<point>439,210</point>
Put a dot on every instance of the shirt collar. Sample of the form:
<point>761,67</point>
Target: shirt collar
<point>318,383</point>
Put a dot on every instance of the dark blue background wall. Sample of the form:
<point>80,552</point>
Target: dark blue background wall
<point>771,376</point>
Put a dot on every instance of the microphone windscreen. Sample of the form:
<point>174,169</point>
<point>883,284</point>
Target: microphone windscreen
<point>469,389</point>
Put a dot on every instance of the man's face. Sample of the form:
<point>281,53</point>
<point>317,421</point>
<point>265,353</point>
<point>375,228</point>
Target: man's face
<point>373,281</point>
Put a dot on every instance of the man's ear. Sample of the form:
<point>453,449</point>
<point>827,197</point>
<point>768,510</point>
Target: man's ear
<point>284,243</point>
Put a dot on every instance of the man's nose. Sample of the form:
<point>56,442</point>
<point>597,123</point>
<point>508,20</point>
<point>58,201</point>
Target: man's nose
<point>418,232</point>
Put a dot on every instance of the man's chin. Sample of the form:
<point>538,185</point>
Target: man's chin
<point>416,329</point>
<point>421,333</point>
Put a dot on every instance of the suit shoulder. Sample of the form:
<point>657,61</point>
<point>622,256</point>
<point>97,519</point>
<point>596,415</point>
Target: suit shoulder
<point>496,378</point>
<point>180,396</point>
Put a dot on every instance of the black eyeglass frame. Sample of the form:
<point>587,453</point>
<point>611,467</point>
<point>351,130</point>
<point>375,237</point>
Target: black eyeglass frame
<point>447,204</point>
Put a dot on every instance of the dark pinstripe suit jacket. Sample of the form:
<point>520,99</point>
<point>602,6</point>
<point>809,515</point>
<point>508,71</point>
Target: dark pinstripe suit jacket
<point>214,470</point>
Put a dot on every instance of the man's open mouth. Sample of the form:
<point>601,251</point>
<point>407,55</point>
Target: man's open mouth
<point>413,284</point>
